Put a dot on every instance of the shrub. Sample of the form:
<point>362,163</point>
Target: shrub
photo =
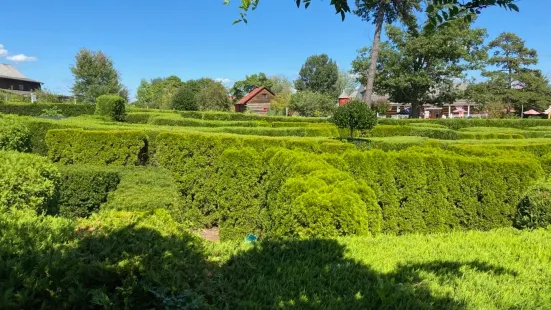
<point>112,106</point>
<point>26,181</point>
<point>355,115</point>
<point>13,135</point>
<point>308,103</point>
<point>139,117</point>
<point>83,189</point>
<point>184,99</point>
<point>176,120</point>
<point>77,146</point>
<point>232,116</point>
<point>534,210</point>
<point>37,109</point>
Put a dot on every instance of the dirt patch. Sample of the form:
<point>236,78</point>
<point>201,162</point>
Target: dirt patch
<point>210,234</point>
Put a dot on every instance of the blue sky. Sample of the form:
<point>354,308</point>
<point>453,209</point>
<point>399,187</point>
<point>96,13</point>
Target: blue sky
<point>193,39</point>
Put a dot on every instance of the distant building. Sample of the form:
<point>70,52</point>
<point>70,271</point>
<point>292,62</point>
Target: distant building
<point>257,101</point>
<point>13,81</point>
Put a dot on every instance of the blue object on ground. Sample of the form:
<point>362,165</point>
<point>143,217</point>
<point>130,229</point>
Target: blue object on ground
<point>251,238</point>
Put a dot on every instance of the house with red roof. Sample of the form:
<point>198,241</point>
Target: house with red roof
<point>257,101</point>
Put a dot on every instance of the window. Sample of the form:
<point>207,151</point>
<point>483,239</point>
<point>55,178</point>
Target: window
<point>264,96</point>
<point>21,87</point>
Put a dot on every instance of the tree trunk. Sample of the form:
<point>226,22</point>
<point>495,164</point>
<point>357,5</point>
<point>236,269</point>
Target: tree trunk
<point>415,109</point>
<point>375,53</point>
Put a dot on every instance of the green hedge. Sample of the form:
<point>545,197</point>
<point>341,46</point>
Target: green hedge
<point>77,146</point>
<point>425,190</point>
<point>36,109</point>
<point>27,181</point>
<point>457,123</point>
<point>14,135</point>
<point>322,131</point>
<point>534,209</point>
<point>83,189</point>
<point>420,131</point>
<point>112,106</point>
<point>191,122</point>
<point>229,116</point>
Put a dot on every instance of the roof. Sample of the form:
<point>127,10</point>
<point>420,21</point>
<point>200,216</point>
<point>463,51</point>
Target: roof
<point>10,72</point>
<point>252,94</point>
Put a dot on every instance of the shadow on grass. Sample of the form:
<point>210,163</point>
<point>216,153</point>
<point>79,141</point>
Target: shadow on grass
<point>139,268</point>
<point>314,274</point>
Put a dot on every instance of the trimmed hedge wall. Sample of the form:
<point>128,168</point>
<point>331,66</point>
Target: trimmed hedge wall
<point>77,146</point>
<point>457,123</point>
<point>191,122</point>
<point>83,189</point>
<point>425,190</point>
<point>14,135</point>
<point>36,109</point>
<point>534,209</point>
<point>228,116</point>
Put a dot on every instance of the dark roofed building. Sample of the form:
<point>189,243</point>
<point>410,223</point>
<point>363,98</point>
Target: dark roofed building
<point>257,101</point>
<point>13,81</point>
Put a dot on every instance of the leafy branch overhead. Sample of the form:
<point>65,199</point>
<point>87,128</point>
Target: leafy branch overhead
<point>439,11</point>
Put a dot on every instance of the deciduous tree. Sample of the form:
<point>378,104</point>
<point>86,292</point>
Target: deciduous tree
<point>319,74</point>
<point>95,75</point>
<point>241,88</point>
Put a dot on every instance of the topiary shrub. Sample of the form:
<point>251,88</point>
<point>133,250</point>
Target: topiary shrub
<point>355,115</point>
<point>112,106</point>
<point>534,210</point>
<point>13,135</point>
<point>83,189</point>
<point>26,181</point>
<point>185,99</point>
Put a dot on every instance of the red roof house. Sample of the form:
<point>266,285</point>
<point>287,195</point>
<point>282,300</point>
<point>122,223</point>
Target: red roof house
<point>257,101</point>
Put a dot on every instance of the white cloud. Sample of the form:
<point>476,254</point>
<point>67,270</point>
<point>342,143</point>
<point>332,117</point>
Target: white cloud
<point>3,51</point>
<point>21,58</point>
<point>223,80</point>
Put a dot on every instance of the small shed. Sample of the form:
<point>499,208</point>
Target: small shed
<point>257,101</point>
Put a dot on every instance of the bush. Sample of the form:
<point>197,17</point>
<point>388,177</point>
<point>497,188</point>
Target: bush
<point>83,189</point>
<point>308,103</point>
<point>112,106</point>
<point>417,130</point>
<point>232,116</point>
<point>37,109</point>
<point>77,146</point>
<point>184,99</point>
<point>534,210</point>
<point>13,135</point>
<point>355,115</point>
<point>176,120</point>
<point>426,190</point>
<point>26,181</point>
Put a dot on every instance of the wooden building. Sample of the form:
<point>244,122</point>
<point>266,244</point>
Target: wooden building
<point>257,101</point>
<point>13,81</point>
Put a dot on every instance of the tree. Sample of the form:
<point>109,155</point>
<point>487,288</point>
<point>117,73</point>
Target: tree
<point>158,93</point>
<point>241,88</point>
<point>319,74</point>
<point>355,115</point>
<point>280,85</point>
<point>201,94</point>
<point>308,103</point>
<point>417,66</point>
<point>511,60</point>
<point>95,75</point>
<point>346,82</point>
<point>439,12</point>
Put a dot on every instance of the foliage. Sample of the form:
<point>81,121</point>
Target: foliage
<point>47,96</point>
<point>319,74</point>
<point>309,104</point>
<point>202,94</point>
<point>95,75</point>
<point>346,82</point>
<point>138,260</point>
<point>241,88</point>
<point>418,188</point>
<point>76,146</point>
<point>281,85</point>
<point>414,67</point>
<point>184,99</point>
<point>534,209</point>
<point>355,115</point>
<point>157,93</point>
<point>14,135</point>
<point>220,116</point>
<point>37,109</point>
<point>26,181</point>
<point>112,106</point>
<point>53,111</point>
<point>83,189</point>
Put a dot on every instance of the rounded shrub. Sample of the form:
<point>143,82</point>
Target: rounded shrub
<point>534,210</point>
<point>13,135</point>
<point>112,106</point>
<point>355,115</point>
<point>26,181</point>
<point>185,99</point>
